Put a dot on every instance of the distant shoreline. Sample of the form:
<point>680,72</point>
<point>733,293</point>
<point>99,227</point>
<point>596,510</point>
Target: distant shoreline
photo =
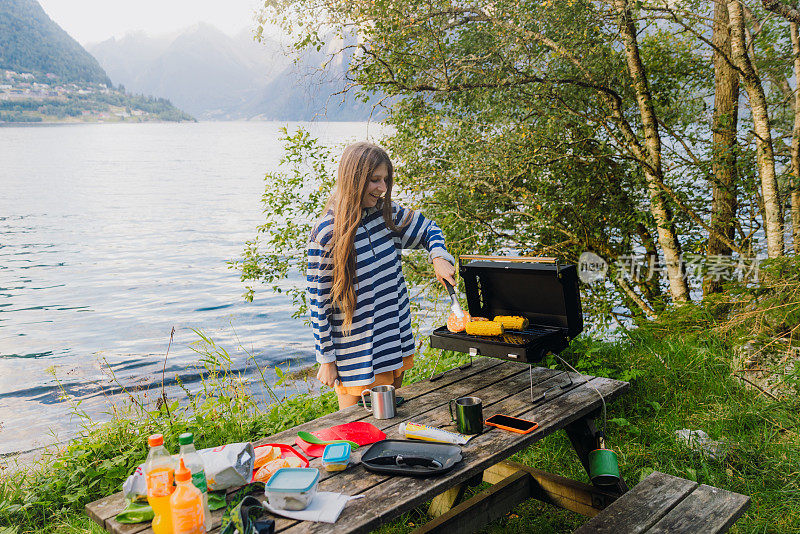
<point>73,123</point>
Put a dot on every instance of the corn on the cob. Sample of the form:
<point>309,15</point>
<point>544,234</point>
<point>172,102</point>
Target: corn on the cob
<point>484,328</point>
<point>512,322</point>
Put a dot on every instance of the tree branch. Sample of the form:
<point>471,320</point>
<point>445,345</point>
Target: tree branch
<point>791,14</point>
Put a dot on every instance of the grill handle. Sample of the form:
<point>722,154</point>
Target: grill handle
<point>513,259</point>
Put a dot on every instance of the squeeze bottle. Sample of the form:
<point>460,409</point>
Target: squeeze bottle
<point>186,504</point>
<point>194,463</point>
<point>159,471</point>
<point>411,430</point>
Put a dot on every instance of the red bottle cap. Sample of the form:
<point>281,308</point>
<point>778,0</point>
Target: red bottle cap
<point>182,474</point>
<point>155,440</point>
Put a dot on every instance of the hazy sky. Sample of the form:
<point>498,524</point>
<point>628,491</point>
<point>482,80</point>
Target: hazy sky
<point>89,21</point>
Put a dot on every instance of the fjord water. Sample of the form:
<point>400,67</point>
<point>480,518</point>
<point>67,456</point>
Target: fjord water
<point>110,235</point>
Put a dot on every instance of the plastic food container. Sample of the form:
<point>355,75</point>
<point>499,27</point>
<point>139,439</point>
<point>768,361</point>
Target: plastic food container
<point>292,488</point>
<point>336,456</point>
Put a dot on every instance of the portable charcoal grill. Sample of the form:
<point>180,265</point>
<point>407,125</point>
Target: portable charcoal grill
<point>540,289</point>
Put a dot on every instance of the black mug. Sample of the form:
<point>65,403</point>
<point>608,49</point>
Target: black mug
<point>468,415</point>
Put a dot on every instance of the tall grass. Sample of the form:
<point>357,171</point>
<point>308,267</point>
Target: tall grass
<point>681,374</point>
<point>677,381</point>
<point>49,496</point>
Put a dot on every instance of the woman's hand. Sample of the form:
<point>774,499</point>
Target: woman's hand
<point>327,373</point>
<point>444,271</point>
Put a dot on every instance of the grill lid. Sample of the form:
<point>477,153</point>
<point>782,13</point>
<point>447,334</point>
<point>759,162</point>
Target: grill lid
<point>546,293</point>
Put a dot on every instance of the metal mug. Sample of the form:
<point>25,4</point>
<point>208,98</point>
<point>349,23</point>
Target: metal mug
<point>469,415</point>
<point>383,401</point>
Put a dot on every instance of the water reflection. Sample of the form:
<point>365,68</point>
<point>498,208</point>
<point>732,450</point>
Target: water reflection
<point>110,236</point>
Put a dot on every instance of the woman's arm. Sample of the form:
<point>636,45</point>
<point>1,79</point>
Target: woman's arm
<point>420,232</point>
<point>319,277</point>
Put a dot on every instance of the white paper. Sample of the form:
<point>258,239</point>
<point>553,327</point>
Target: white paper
<point>325,508</point>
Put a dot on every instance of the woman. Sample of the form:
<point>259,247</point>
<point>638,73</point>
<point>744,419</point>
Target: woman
<point>357,294</point>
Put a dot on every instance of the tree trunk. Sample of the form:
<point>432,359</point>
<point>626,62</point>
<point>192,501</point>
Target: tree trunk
<point>796,142</point>
<point>667,235</point>
<point>773,213</point>
<point>726,114</point>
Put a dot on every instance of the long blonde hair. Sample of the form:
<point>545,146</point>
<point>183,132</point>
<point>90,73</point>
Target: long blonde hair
<point>358,163</point>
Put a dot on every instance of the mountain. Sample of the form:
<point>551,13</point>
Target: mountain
<point>220,77</point>
<point>305,90</point>
<point>201,70</point>
<point>31,42</point>
<point>46,76</point>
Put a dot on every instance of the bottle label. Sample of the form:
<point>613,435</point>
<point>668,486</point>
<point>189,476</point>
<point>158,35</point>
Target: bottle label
<point>199,481</point>
<point>159,482</point>
<point>189,519</point>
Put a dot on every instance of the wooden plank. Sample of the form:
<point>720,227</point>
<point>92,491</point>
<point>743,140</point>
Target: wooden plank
<point>104,510</point>
<point>639,509</point>
<point>436,413</point>
<point>356,480</point>
<point>442,503</point>
<point>514,400</point>
<point>111,525</point>
<point>556,490</point>
<point>482,509</point>
<point>414,394</point>
<point>101,510</point>
<point>404,493</point>
<point>707,509</point>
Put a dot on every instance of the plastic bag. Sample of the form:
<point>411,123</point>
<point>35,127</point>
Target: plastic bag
<point>226,467</point>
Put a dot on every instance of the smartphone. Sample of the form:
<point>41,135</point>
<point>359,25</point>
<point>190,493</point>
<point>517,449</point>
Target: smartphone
<point>513,424</point>
<point>398,400</point>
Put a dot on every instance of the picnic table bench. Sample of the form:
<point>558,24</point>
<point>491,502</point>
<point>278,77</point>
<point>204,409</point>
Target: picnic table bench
<point>508,388</point>
<point>664,503</point>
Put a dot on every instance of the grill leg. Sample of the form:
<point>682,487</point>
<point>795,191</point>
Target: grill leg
<point>472,353</point>
<point>435,365</point>
<point>530,374</point>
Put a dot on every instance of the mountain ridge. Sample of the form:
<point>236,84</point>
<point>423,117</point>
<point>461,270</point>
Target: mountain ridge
<point>216,76</point>
<point>47,76</point>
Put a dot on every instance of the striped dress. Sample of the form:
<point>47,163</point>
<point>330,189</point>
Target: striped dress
<point>381,334</point>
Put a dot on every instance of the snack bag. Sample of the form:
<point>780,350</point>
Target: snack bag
<point>229,465</point>
<point>226,466</point>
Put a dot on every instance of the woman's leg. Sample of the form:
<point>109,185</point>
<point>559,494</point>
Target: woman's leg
<point>398,380</point>
<point>345,400</point>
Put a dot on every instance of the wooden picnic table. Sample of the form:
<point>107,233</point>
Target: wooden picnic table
<point>570,404</point>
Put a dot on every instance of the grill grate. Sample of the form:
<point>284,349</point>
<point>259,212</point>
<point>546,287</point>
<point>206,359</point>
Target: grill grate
<point>515,338</point>
<point>547,294</point>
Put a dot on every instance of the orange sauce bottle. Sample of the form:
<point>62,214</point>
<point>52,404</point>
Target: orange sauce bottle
<point>187,504</point>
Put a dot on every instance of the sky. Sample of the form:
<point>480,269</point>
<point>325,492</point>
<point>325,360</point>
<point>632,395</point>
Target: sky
<point>91,21</point>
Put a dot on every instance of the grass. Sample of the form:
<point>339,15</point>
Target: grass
<point>676,382</point>
<point>680,370</point>
<point>50,495</point>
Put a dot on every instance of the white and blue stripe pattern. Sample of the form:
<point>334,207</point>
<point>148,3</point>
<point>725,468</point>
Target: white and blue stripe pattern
<point>381,334</point>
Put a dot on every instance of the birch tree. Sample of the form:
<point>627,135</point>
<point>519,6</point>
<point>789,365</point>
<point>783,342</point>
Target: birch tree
<point>557,127</point>
<point>773,211</point>
<point>725,123</point>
